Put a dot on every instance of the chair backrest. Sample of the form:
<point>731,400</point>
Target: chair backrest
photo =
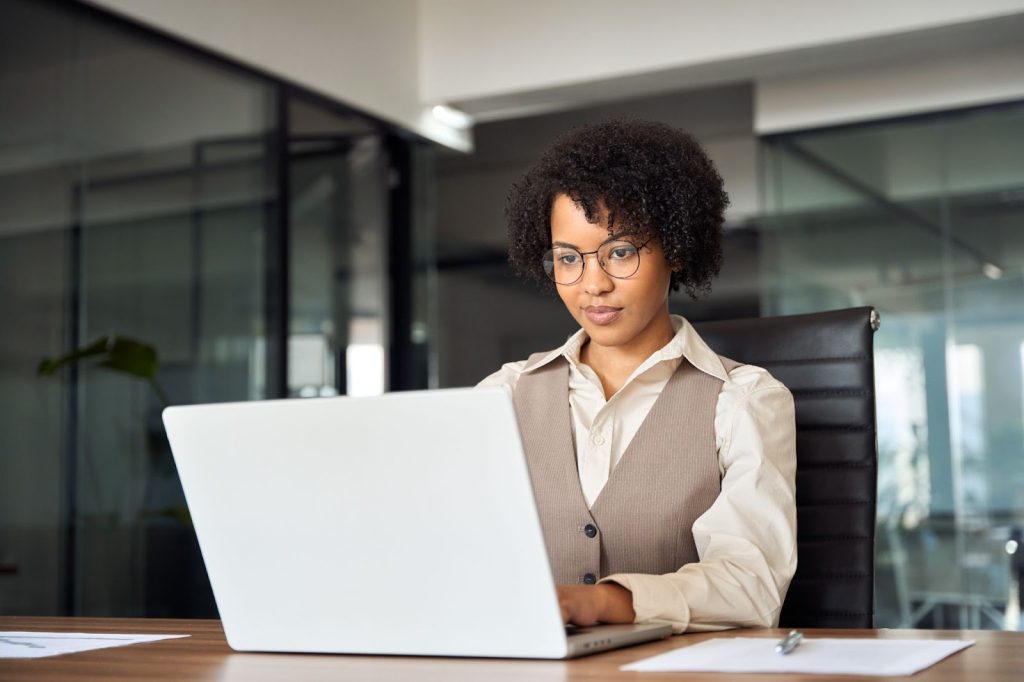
<point>826,361</point>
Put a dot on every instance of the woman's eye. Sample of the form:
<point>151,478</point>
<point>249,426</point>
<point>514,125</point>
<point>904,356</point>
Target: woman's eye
<point>622,252</point>
<point>568,259</point>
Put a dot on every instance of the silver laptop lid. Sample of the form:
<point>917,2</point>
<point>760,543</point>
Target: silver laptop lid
<point>398,524</point>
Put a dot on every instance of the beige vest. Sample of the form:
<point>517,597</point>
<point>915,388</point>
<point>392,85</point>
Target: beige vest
<point>667,477</point>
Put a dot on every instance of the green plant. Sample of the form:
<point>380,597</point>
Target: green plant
<point>133,358</point>
<point>117,354</point>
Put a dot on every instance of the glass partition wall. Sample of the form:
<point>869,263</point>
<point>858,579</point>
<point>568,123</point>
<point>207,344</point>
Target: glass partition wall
<point>924,220</point>
<point>154,200</point>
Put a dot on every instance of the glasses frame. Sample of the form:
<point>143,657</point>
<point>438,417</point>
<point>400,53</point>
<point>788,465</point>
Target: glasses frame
<point>584,254</point>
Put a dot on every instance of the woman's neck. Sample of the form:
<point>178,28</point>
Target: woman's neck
<point>614,364</point>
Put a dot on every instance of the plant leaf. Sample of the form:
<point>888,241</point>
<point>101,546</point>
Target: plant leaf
<point>131,357</point>
<point>125,355</point>
<point>50,366</point>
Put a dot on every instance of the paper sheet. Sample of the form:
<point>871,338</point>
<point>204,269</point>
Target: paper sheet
<point>42,644</point>
<point>821,656</point>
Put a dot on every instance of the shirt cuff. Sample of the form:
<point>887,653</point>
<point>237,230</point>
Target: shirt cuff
<point>654,600</point>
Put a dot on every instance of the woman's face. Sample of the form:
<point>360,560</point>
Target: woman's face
<point>612,311</point>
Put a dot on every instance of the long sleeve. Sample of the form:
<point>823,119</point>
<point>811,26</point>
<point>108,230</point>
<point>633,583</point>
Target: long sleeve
<point>746,540</point>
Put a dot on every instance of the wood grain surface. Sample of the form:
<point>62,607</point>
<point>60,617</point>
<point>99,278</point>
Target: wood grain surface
<point>205,655</point>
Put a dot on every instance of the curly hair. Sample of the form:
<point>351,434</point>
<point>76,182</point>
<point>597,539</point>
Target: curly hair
<point>648,176</point>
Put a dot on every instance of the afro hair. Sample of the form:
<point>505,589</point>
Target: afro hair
<point>649,177</point>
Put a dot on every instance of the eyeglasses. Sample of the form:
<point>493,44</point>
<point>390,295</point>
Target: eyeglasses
<point>620,259</point>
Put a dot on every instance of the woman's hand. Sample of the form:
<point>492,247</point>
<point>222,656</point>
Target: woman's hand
<point>586,605</point>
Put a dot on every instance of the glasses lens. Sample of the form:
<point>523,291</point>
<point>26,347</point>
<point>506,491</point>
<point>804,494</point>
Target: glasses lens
<point>619,259</point>
<point>563,265</point>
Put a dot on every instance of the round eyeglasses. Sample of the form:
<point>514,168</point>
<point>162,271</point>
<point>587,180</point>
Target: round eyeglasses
<point>620,259</point>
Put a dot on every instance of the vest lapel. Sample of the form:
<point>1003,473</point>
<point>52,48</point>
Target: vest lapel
<point>546,427</point>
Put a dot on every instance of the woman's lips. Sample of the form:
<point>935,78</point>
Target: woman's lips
<point>599,314</point>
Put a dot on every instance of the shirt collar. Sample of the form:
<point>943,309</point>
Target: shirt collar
<point>686,343</point>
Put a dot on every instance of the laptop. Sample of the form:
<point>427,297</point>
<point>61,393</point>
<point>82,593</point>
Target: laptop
<point>395,524</point>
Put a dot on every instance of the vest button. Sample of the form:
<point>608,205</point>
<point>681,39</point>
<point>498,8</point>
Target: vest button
<point>589,579</point>
<point>590,530</point>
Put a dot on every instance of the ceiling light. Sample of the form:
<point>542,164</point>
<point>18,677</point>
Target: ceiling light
<point>992,271</point>
<point>452,116</point>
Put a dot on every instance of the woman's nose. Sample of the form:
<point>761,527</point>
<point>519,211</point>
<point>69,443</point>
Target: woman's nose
<point>595,279</point>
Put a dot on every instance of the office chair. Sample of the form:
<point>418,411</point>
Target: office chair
<point>826,361</point>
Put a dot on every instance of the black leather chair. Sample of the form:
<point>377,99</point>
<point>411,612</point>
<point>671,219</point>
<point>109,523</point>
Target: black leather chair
<point>826,360</point>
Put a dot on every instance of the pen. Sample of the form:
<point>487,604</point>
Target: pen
<point>789,642</point>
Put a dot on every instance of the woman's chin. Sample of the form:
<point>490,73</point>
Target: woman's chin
<point>606,335</point>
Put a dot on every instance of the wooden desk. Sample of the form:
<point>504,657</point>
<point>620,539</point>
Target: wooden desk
<point>997,656</point>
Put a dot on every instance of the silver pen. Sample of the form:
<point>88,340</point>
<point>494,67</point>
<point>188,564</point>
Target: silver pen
<point>789,642</point>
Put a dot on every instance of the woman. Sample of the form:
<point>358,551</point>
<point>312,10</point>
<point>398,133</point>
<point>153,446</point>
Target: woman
<point>664,473</point>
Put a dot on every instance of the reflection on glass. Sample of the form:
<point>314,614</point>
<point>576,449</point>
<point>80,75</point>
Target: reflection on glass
<point>904,483</point>
<point>338,225</point>
<point>921,219</point>
<point>311,365</point>
<point>365,369</point>
<point>134,181</point>
<point>967,394</point>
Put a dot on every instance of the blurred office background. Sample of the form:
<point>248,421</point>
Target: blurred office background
<point>268,194</point>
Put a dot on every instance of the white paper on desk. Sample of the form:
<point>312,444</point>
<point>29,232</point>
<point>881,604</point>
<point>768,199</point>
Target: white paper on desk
<point>42,644</point>
<point>822,656</point>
